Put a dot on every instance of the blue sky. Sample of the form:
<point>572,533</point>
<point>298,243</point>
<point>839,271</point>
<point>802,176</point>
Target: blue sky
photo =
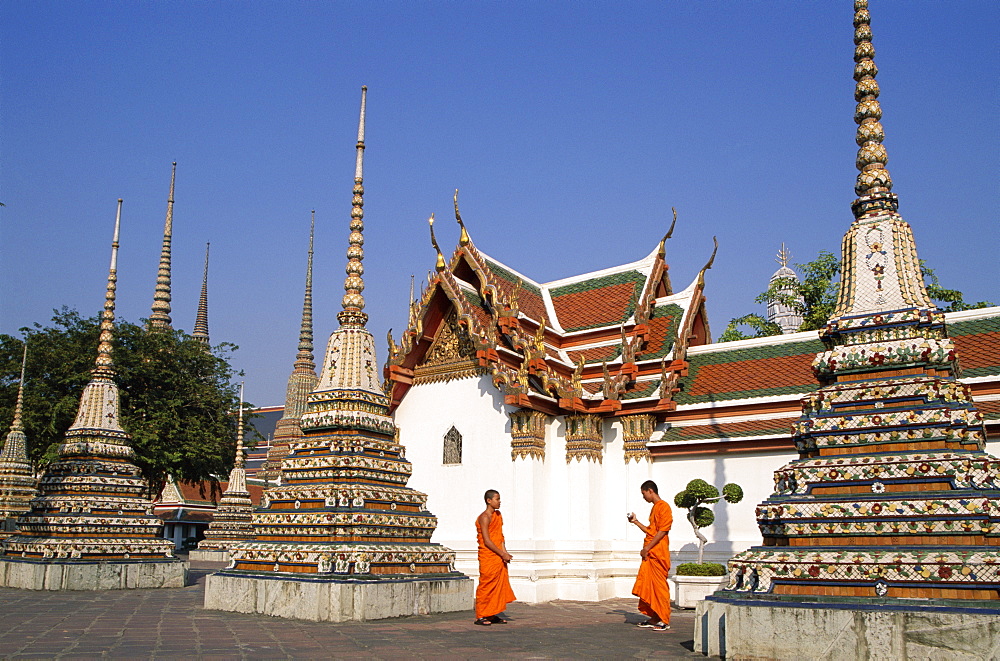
<point>570,129</point>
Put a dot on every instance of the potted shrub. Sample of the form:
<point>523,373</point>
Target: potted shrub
<point>697,580</point>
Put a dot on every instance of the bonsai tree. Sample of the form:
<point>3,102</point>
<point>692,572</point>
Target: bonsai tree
<point>694,498</point>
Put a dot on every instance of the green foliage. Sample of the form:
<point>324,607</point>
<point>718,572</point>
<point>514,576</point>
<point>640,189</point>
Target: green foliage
<point>732,492</point>
<point>760,326</point>
<point>701,569</point>
<point>818,287</point>
<point>703,517</point>
<point>177,398</point>
<point>954,298</point>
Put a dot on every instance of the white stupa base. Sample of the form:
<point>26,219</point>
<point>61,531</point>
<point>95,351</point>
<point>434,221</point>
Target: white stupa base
<point>92,575</point>
<point>841,632</point>
<point>200,555</point>
<point>337,599</point>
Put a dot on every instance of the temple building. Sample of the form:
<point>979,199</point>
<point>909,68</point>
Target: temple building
<point>886,528</point>
<point>342,537</point>
<point>18,483</point>
<point>91,527</point>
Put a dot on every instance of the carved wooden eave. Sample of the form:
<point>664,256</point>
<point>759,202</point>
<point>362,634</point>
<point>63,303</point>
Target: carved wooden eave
<point>531,358</point>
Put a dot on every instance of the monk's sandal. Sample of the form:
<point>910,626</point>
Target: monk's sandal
<point>648,624</point>
<point>496,619</point>
<point>483,621</point>
<point>661,626</point>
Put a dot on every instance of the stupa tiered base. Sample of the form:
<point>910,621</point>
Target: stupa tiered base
<point>213,555</point>
<point>338,598</point>
<point>846,629</point>
<point>70,574</point>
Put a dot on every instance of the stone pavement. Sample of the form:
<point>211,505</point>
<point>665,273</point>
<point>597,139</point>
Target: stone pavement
<point>171,623</point>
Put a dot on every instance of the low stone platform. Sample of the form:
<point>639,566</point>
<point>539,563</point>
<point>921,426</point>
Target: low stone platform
<point>199,555</point>
<point>742,629</point>
<point>337,599</point>
<point>92,574</point>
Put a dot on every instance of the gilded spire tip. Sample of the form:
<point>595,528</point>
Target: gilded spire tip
<point>873,176</point>
<point>353,301</point>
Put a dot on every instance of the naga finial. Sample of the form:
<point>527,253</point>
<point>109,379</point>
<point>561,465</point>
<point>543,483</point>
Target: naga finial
<point>439,264</point>
<point>463,240</point>
<point>708,265</point>
<point>662,250</point>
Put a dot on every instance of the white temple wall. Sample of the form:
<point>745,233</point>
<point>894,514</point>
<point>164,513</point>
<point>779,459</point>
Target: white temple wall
<point>735,527</point>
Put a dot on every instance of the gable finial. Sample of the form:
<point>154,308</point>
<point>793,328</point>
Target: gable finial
<point>354,302</point>
<point>463,240</point>
<point>874,184</point>
<point>708,265</point>
<point>200,331</point>
<point>439,264</point>
<point>160,318</point>
<point>662,250</point>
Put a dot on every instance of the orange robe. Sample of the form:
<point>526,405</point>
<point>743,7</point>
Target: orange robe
<point>493,593</point>
<point>651,583</point>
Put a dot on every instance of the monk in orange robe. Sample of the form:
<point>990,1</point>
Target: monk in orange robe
<point>493,593</point>
<point>651,583</point>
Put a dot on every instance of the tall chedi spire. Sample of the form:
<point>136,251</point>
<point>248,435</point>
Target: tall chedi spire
<point>300,383</point>
<point>17,479</point>
<point>343,527</point>
<point>232,521</point>
<point>893,497</point>
<point>160,318</point>
<point>200,332</point>
<point>91,507</point>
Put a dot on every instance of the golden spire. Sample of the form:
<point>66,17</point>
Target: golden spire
<point>200,331</point>
<point>873,178</point>
<point>104,364</point>
<point>439,264</point>
<point>306,329</point>
<point>240,454</point>
<point>354,303</point>
<point>18,425</point>
<point>161,297</point>
<point>463,240</point>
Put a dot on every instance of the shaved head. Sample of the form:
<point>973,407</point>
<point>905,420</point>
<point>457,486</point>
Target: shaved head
<point>490,494</point>
<point>649,485</point>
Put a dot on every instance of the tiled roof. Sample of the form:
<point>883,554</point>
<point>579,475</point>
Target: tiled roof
<point>757,371</point>
<point>596,354</point>
<point>643,389</point>
<point>663,324</point>
<point>781,427</point>
<point>978,344</point>
<point>990,410</point>
<point>604,301</point>
<point>477,308</point>
<point>529,300</point>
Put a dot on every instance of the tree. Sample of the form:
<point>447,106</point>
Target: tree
<point>695,496</point>
<point>818,288</point>
<point>177,398</point>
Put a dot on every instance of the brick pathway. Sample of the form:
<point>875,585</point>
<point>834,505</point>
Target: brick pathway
<point>171,623</point>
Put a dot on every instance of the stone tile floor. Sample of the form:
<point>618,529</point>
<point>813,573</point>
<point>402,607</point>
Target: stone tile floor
<point>171,623</point>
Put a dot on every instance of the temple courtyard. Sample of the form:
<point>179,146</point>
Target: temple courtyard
<point>171,623</point>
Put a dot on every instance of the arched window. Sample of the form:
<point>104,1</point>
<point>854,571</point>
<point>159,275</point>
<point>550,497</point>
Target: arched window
<point>453,447</point>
